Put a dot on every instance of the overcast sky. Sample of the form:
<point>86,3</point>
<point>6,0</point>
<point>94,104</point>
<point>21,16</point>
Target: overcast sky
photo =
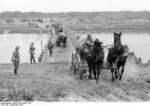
<point>73,5</point>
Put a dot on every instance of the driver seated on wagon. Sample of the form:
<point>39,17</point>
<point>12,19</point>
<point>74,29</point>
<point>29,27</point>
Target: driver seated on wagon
<point>87,43</point>
<point>89,39</point>
<point>85,49</point>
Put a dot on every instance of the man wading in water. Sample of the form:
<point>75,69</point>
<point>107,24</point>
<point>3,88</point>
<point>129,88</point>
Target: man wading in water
<point>32,57</point>
<point>16,59</point>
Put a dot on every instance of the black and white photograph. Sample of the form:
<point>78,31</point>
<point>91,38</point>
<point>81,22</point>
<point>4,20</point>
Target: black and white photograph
<point>83,51</point>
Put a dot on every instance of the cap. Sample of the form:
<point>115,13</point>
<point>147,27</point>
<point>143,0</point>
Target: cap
<point>17,47</point>
<point>89,35</point>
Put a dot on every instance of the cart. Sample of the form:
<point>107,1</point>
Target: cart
<point>79,65</point>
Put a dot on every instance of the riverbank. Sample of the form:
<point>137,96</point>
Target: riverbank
<point>90,26</point>
<point>24,28</point>
<point>51,82</point>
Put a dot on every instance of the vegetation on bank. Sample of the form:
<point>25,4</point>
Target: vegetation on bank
<point>79,15</point>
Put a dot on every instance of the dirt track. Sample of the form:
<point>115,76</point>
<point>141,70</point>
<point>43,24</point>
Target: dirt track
<point>53,80</point>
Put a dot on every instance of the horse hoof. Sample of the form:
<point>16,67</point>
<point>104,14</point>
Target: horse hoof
<point>116,77</point>
<point>112,80</point>
<point>90,78</point>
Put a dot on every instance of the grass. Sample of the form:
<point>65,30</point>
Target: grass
<point>18,95</point>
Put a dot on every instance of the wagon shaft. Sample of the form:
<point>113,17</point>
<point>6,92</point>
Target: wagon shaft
<point>103,67</point>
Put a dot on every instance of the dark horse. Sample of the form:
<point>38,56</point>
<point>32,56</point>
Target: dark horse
<point>95,58</point>
<point>117,60</point>
<point>64,41</point>
<point>61,40</point>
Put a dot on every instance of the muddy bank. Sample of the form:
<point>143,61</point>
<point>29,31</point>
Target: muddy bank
<point>56,82</point>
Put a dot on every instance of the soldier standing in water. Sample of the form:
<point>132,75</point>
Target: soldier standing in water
<point>16,59</point>
<point>32,57</point>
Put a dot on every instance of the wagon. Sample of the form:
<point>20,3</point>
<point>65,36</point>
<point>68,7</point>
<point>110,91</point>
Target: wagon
<point>61,41</point>
<point>80,66</point>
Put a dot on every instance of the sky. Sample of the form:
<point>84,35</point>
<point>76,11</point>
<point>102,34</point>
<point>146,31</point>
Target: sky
<point>74,5</point>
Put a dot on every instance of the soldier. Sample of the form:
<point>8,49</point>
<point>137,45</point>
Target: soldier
<point>50,48</point>
<point>32,58</point>
<point>89,39</point>
<point>16,59</point>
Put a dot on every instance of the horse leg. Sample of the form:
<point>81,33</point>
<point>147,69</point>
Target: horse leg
<point>117,73</point>
<point>94,71</point>
<point>98,73</point>
<point>90,70</point>
<point>122,70</point>
<point>112,72</point>
<point>118,69</point>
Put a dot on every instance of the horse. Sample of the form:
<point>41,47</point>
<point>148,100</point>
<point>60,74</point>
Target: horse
<point>58,41</point>
<point>61,40</point>
<point>117,60</point>
<point>64,41</point>
<point>95,59</point>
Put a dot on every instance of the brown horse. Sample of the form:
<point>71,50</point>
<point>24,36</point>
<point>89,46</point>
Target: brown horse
<point>117,60</point>
<point>95,59</point>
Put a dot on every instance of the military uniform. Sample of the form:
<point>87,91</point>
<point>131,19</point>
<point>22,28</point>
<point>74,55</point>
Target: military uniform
<point>50,48</point>
<point>88,41</point>
<point>32,58</point>
<point>16,59</point>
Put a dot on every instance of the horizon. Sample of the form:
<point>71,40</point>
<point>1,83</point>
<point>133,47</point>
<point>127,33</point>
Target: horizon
<point>74,11</point>
<point>60,6</point>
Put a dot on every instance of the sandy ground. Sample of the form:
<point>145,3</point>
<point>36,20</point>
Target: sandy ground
<point>53,80</point>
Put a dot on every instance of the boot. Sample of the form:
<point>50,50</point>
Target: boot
<point>15,71</point>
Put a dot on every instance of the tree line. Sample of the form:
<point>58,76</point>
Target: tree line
<point>79,15</point>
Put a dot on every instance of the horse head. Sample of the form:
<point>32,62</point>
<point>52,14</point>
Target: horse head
<point>118,34</point>
<point>97,49</point>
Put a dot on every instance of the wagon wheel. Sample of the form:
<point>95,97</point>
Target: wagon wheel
<point>74,63</point>
<point>79,66</point>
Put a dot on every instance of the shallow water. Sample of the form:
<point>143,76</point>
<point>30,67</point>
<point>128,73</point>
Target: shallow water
<point>9,41</point>
<point>137,42</point>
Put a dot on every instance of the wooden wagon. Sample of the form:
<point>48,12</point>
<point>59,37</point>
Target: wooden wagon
<point>79,65</point>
